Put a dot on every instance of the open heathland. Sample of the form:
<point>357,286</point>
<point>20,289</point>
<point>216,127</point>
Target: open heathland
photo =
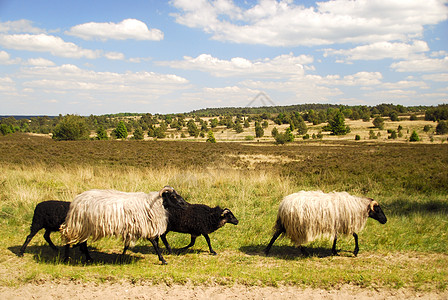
<point>409,180</point>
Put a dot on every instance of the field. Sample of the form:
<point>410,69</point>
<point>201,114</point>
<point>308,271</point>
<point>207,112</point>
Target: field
<point>409,180</point>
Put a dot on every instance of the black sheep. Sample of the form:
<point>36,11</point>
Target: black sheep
<point>195,219</point>
<point>49,215</point>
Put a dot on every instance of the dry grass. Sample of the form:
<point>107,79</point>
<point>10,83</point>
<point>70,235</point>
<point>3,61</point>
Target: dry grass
<point>407,179</point>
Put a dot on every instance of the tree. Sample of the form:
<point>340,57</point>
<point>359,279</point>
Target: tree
<point>259,132</point>
<point>394,116</point>
<point>238,128</point>
<point>210,137</point>
<point>378,122</point>
<point>5,129</point>
<point>337,124</point>
<point>192,128</point>
<point>393,135</point>
<point>121,132</point>
<point>159,133</point>
<point>286,137</point>
<point>414,137</point>
<point>274,132</point>
<point>213,123</point>
<point>301,126</point>
<point>138,133</point>
<point>442,127</point>
<point>101,133</point>
<point>71,128</point>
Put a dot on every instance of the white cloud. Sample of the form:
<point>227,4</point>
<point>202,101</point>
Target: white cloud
<point>381,50</point>
<point>126,29</point>
<point>54,45</point>
<point>405,84</point>
<point>284,23</point>
<point>443,77</point>
<point>286,65</point>
<point>5,59</point>
<point>114,56</point>
<point>358,79</point>
<point>7,85</point>
<point>19,26</point>
<point>70,78</point>
<point>40,62</point>
<point>46,43</point>
<point>422,64</point>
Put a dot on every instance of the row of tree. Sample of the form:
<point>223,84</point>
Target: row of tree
<point>77,127</point>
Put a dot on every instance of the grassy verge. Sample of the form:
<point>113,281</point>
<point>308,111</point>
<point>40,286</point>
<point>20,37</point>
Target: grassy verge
<point>409,251</point>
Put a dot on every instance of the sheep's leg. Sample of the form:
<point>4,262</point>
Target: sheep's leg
<point>165,242</point>
<point>274,237</point>
<point>355,252</point>
<point>209,244</point>
<point>333,249</point>
<point>85,251</point>
<point>27,241</point>
<point>47,238</point>
<point>67,253</point>
<point>303,250</point>
<point>126,247</point>
<point>155,243</point>
<point>192,241</point>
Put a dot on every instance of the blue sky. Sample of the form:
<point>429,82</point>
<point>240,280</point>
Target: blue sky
<point>98,57</point>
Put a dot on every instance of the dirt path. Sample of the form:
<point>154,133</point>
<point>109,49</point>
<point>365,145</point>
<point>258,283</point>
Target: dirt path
<point>71,290</point>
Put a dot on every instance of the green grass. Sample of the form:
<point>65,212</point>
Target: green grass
<point>408,180</point>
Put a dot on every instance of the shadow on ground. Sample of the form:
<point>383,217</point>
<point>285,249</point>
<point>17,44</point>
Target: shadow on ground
<point>292,253</point>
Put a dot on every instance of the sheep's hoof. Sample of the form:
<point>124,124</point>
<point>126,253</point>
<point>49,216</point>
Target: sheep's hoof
<point>20,254</point>
<point>164,262</point>
<point>214,253</point>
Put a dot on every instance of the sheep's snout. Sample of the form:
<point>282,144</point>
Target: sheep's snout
<point>229,217</point>
<point>378,214</point>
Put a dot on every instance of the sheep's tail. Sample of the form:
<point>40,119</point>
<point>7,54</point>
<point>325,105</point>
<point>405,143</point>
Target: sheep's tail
<point>278,227</point>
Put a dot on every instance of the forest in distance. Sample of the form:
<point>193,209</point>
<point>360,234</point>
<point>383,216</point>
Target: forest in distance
<point>281,124</point>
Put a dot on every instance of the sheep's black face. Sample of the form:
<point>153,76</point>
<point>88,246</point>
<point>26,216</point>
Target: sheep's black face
<point>229,217</point>
<point>173,199</point>
<point>378,214</point>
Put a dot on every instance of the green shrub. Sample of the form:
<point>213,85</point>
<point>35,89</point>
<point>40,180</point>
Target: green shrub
<point>71,128</point>
<point>259,132</point>
<point>357,137</point>
<point>101,134</point>
<point>442,127</point>
<point>337,125</point>
<point>138,133</point>
<point>210,137</point>
<point>378,122</point>
<point>393,135</point>
<point>121,132</point>
<point>414,137</point>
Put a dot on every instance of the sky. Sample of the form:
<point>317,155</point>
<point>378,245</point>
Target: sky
<point>152,56</point>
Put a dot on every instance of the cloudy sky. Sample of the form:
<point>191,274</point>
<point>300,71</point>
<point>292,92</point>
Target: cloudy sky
<point>97,57</point>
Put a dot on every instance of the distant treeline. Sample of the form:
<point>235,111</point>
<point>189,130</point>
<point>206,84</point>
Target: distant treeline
<point>231,117</point>
<point>382,109</point>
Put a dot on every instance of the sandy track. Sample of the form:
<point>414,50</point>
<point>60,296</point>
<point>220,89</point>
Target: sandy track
<point>72,290</point>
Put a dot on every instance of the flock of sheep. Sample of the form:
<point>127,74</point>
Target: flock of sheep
<point>94,214</point>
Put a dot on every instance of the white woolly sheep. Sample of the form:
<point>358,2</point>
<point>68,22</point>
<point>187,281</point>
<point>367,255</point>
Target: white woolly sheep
<point>131,216</point>
<point>307,215</point>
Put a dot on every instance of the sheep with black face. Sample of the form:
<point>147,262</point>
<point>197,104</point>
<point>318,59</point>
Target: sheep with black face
<point>196,220</point>
<point>307,215</point>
